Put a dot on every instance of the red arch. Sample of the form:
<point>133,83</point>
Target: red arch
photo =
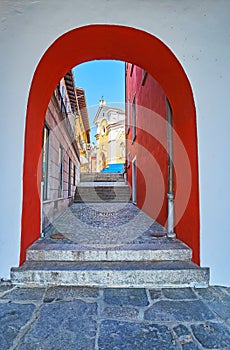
<point>108,42</point>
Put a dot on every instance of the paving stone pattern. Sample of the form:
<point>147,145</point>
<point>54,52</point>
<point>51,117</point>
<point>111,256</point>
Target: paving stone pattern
<point>101,223</point>
<point>57,318</point>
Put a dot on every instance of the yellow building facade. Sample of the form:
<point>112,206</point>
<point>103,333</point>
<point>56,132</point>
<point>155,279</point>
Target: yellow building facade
<point>110,136</point>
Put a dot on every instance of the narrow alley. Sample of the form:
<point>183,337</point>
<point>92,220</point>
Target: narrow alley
<point>104,240</point>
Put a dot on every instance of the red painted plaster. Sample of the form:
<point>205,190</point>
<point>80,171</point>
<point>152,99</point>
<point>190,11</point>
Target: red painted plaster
<point>149,142</point>
<point>107,42</point>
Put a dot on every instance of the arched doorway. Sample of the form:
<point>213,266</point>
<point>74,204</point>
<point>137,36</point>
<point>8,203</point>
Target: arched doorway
<point>119,43</point>
<point>103,160</point>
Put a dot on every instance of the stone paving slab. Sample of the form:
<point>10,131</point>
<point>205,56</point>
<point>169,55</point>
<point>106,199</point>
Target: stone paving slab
<point>24,294</point>
<point>125,296</point>
<point>5,287</point>
<point>71,293</point>
<point>219,300</point>
<point>63,325</point>
<point>13,317</point>
<point>54,318</point>
<point>184,311</point>
<point>212,335</point>
<point>185,337</point>
<point>181,293</point>
<point>129,336</point>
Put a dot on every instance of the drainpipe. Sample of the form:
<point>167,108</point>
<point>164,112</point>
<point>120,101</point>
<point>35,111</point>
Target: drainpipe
<point>41,212</point>
<point>170,195</point>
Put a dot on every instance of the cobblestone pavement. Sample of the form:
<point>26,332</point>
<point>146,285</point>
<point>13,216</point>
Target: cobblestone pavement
<point>102,223</point>
<point>74,318</point>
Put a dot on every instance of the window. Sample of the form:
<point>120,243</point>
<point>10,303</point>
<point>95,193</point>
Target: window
<point>67,106</point>
<point>134,180</point>
<point>134,119</point>
<point>45,158</point>
<point>144,76</point>
<point>66,103</point>
<point>128,117</point>
<point>62,92</point>
<point>74,175</point>
<point>60,172</point>
<point>69,177</point>
<point>131,70</point>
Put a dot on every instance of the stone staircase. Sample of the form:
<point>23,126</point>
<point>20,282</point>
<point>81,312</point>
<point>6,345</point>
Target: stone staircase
<point>101,177</point>
<point>133,254</point>
<point>155,266</point>
<point>102,187</point>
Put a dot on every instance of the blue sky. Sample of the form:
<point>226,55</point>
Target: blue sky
<point>101,78</point>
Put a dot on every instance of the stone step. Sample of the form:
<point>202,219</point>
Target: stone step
<point>101,199</point>
<point>104,177</point>
<point>103,184</point>
<point>158,251</point>
<point>112,274</point>
<point>100,192</point>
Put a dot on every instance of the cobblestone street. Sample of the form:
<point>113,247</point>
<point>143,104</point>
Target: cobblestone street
<point>74,318</point>
<point>101,223</point>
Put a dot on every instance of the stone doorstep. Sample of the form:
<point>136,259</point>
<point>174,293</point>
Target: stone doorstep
<point>96,194</point>
<point>104,200</point>
<point>112,274</point>
<point>86,192</point>
<point>105,191</point>
<point>92,184</point>
<point>109,252</point>
<point>108,177</point>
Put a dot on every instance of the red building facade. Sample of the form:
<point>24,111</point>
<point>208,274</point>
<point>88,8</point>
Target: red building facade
<point>148,119</point>
<point>146,140</point>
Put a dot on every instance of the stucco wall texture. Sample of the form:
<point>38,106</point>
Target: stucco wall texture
<point>197,33</point>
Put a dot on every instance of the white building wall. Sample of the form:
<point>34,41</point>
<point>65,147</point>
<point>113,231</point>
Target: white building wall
<point>197,32</point>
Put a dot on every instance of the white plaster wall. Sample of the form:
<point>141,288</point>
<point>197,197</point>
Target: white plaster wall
<point>198,32</point>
